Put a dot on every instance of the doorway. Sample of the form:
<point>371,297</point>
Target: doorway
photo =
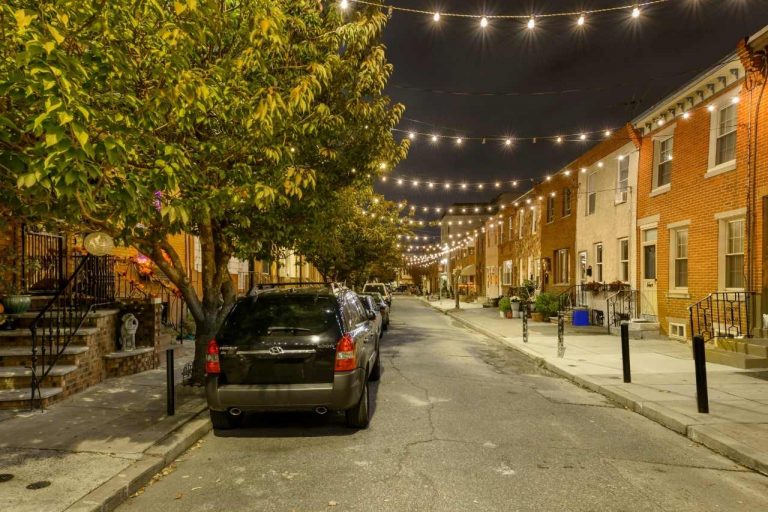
<point>648,284</point>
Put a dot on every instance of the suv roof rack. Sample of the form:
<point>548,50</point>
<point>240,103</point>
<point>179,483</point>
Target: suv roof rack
<point>334,287</point>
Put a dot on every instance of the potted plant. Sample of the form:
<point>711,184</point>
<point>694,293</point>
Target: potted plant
<point>546,305</point>
<point>616,286</point>
<point>515,302</point>
<point>15,299</point>
<point>505,307</point>
<point>593,287</point>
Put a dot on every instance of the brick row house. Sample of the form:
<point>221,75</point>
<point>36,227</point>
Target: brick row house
<point>103,290</point>
<point>664,221</point>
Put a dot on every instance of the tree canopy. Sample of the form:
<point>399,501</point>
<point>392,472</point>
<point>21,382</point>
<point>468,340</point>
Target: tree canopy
<point>234,120</point>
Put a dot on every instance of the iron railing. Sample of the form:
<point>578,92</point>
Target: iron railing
<point>723,315</point>
<point>55,326</point>
<point>623,305</point>
<point>574,296</point>
<point>43,261</point>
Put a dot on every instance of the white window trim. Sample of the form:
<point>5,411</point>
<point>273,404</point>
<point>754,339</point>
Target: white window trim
<point>663,135</point>
<point>591,178</point>
<point>678,324</point>
<point>722,243</point>
<point>720,103</point>
<point>673,230</point>
<point>621,196</point>
<point>599,263</point>
<point>534,219</point>
<point>628,260</point>
<point>520,223</point>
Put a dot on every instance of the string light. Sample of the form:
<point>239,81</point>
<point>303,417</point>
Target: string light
<point>634,7</point>
<point>581,20</point>
<point>531,23</point>
<point>411,135</point>
<point>344,4</point>
<point>506,140</point>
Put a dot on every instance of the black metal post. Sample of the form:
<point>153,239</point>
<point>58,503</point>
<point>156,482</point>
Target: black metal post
<point>170,385</point>
<point>560,334</point>
<point>524,311</point>
<point>700,362</point>
<point>625,351</point>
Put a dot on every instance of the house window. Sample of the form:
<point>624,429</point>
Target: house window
<point>663,174</point>
<point>677,331</point>
<point>550,209</point>
<point>725,146</point>
<point>599,262</point>
<point>520,222</point>
<point>622,180</point>
<point>591,193</point>
<point>734,253</point>
<point>506,276</point>
<point>511,228</point>
<point>561,266</point>
<point>583,265</point>
<point>566,202</point>
<point>624,260</point>
<point>534,219</point>
<point>679,241</point>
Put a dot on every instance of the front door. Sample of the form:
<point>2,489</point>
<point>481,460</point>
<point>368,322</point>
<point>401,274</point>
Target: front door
<point>648,288</point>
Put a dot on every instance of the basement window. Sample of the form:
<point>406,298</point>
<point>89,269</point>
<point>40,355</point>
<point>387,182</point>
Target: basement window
<point>677,331</point>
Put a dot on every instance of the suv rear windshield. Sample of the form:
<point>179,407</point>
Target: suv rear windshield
<point>250,319</point>
<point>375,288</point>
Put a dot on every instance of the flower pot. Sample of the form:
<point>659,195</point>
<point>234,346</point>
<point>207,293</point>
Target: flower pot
<point>16,304</point>
<point>501,314</point>
<point>509,314</point>
<point>537,317</point>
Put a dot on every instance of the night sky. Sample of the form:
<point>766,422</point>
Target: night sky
<point>621,67</point>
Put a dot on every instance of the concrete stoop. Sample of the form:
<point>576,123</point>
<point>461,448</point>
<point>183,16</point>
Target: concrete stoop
<point>640,330</point>
<point>744,353</point>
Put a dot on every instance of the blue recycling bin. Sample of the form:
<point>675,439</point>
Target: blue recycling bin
<point>580,316</point>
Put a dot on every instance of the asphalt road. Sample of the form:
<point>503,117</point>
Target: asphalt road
<point>460,423</point>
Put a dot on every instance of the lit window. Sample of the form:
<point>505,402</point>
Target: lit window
<point>725,149</point>
<point>624,260</point>
<point>622,181</point>
<point>566,201</point>
<point>734,254</point>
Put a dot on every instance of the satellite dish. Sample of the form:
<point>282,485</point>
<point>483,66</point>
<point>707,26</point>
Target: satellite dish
<point>99,244</point>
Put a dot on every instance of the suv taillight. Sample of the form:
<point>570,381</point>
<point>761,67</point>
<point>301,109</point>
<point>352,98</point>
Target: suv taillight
<point>345,354</point>
<point>212,366</point>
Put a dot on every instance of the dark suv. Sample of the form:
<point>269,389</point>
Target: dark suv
<point>293,349</point>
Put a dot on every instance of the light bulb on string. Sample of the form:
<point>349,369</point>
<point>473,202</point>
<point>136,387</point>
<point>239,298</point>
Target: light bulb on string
<point>636,12</point>
<point>581,20</point>
<point>484,22</point>
<point>508,142</point>
<point>583,136</point>
<point>436,17</point>
<point>411,135</point>
<point>344,4</point>
<point>434,138</point>
<point>531,23</point>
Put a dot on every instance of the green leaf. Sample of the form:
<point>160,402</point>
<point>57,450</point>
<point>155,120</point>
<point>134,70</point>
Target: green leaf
<point>80,134</point>
<point>56,34</point>
<point>64,118</point>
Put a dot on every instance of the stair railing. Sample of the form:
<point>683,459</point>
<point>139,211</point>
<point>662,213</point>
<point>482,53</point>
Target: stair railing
<point>92,284</point>
<point>622,305</point>
<point>723,315</point>
<point>573,297</point>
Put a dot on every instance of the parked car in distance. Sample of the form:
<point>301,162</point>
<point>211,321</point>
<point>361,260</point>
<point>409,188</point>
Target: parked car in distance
<point>383,308</point>
<point>371,304</point>
<point>379,288</point>
<point>293,349</point>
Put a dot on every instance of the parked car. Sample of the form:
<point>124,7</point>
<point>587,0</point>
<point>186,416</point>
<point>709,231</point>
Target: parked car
<point>371,304</point>
<point>293,349</point>
<point>383,308</point>
<point>379,288</point>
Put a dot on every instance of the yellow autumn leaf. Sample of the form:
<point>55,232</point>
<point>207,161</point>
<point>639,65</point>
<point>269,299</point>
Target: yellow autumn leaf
<point>264,25</point>
<point>56,34</point>
<point>23,19</point>
<point>179,7</point>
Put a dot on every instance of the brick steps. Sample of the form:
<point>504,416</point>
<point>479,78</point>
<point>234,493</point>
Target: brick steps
<point>20,377</point>
<point>22,356</point>
<point>742,353</point>
<point>19,398</point>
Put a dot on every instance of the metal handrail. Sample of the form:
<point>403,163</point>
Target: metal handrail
<point>574,296</point>
<point>723,315</point>
<point>622,305</point>
<point>55,326</point>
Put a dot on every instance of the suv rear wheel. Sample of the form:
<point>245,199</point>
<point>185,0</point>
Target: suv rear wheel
<point>359,415</point>
<point>222,420</point>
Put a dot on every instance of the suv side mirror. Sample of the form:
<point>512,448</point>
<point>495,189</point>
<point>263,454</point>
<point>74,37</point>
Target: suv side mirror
<point>371,315</point>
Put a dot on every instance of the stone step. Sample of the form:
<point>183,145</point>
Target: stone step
<point>735,359</point>
<point>20,377</point>
<point>19,398</point>
<point>22,356</point>
<point>749,346</point>
<point>23,337</point>
<point>24,320</point>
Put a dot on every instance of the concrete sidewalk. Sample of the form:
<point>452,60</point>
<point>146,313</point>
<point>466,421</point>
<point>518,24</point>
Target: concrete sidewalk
<point>663,384</point>
<point>91,451</point>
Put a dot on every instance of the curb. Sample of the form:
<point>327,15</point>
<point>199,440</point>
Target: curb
<point>655,412</point>
<point>112,493</point>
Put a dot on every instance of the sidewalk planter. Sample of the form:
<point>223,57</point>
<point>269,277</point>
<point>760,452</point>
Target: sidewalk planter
<point>546,306</point>
<point>515,303</point>
<point>17,304</point>
<point>537,317</point>
<point>505,308</point>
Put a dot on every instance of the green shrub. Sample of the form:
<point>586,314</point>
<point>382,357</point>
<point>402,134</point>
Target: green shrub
<point>505,305</point>
<point>547,304</point>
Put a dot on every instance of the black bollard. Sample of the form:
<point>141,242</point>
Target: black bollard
<point>560,334</point>
<point>170,385</point>
<point>524,312</point>
<point>625,351</point>
<point>700,362</point>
